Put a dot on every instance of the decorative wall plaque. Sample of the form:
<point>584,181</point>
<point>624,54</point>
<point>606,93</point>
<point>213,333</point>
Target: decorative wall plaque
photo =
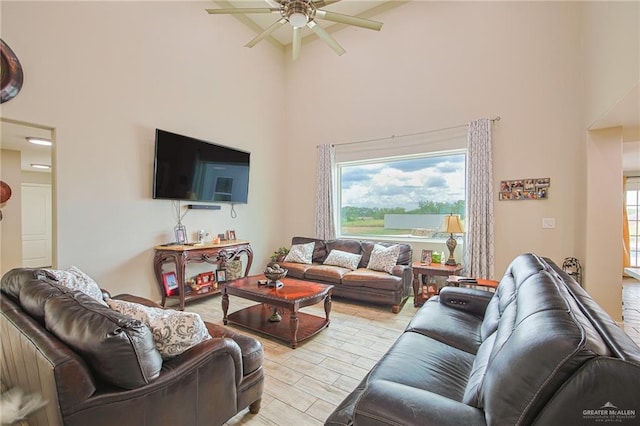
<point>525,189</point>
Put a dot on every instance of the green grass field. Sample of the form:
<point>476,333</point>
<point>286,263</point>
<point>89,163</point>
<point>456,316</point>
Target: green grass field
<point>370,227</point>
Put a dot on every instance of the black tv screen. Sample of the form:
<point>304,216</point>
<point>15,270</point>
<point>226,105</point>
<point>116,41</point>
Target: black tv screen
<point>191,169</point>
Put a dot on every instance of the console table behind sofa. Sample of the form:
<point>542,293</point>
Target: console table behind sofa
<point>181,255</point>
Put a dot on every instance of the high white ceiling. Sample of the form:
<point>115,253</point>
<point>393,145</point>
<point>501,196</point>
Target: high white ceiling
<point>260,21</point>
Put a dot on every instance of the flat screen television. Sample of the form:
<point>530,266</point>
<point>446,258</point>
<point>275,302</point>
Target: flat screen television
<point>190,169</point>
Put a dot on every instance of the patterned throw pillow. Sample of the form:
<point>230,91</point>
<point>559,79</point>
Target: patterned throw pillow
<point>343,259</point>
<point>74,279</point>
<point>300,253</point>
<point>384,258</point>
<point>173,331</point>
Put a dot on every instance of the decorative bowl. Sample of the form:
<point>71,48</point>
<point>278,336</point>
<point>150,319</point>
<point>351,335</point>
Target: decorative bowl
<point>276,276</point>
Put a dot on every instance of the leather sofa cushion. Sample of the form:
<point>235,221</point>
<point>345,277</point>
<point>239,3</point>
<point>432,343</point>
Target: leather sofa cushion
<point>421,362</point>
<point>120,350</point>
<point>34,294</point>
<point>454,327</point>
<point>326,273</point>
<point>363,277</point>
<point>13,280</point>
<point>295,270</point>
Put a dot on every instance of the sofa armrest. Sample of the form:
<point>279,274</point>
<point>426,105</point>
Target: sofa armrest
<point>389,403</point>
<point>205,352</point>
<point>466,299</point>
<point>406,273</point>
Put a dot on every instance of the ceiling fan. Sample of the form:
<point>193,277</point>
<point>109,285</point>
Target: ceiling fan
<point>300,14</point>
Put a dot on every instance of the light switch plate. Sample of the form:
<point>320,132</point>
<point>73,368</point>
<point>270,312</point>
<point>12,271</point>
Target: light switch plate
<point>548,222</point>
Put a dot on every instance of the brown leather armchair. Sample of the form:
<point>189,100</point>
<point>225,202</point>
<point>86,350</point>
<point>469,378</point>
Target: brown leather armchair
<point>206,385</point>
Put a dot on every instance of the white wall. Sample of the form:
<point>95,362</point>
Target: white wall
<point>440,64</point>
<point>612,60</point>
<point>105,75</point>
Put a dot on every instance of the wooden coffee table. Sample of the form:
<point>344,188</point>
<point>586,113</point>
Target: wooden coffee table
<point>293,326</point>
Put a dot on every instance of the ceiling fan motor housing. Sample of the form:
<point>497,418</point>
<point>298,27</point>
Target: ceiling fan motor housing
<point>298,12</point>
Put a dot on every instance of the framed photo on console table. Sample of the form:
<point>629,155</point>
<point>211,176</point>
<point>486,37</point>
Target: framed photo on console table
<point>170,283</point>
<point>221,275</point>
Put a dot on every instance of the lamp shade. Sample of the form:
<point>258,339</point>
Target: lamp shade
<point>452,225</point>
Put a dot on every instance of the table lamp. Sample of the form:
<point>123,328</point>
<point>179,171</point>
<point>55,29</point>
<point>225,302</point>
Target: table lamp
<point>451,225</point>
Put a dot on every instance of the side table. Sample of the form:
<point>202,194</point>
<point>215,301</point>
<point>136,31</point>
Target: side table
<point>424,270</point>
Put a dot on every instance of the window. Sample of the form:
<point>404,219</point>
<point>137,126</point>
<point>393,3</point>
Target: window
<point>633,216</point>
<point>400,196</point>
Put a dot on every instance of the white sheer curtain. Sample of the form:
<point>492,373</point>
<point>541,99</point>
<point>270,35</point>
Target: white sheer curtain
<point>325,225</point>
<point>479,250</point>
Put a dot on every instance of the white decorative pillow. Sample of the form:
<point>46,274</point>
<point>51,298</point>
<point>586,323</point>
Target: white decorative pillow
<point>343,259</point>
<point>300,253</point>
<point>75,279</point>
<point>173,331</point>
<point>384,258</point>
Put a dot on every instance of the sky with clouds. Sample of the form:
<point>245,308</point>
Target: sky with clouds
<point>404,182</point>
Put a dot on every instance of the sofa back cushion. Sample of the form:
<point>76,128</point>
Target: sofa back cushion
<point>35,293</point>
<point>404,255</point>
<point>119,350</point>
<point>539,340</point>
<point>364,247</point>
<point>349,246</point>
<point>13,280</point>
<point>319,250</point>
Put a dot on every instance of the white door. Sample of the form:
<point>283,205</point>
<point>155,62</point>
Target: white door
<point>36,225</point>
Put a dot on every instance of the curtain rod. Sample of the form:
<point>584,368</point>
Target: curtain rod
<point>493,120</point>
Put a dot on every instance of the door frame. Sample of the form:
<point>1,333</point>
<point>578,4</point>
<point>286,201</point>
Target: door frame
<point>54,184</point>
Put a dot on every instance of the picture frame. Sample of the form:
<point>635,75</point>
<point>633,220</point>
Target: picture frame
<point>426,256</point>
<point>205,278</point>
<point>231,235</point>
<point>221,275</point>
<point>180,232</point>
<point>524,189</point>
<point>170,281</point>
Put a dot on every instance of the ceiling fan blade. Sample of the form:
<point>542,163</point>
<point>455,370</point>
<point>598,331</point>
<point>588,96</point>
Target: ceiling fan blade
<point>234,10</point>
<point>349,20</point>
<point>266,32</point>
<point>322,3</point>
<point>297,39</point>
<point>326,37</point>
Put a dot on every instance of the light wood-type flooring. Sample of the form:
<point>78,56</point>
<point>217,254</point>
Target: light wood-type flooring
<point>304,385</point>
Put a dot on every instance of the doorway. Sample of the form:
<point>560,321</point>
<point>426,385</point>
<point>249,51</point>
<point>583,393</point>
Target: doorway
<point>27,228</point>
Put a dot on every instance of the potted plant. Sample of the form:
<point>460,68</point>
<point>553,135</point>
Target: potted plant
<point>279,252</point>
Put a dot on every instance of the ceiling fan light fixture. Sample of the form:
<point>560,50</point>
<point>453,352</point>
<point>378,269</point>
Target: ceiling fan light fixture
<point>298,20</point>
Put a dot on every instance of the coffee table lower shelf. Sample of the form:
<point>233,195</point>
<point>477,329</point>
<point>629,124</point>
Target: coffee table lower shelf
<point>256,318</point>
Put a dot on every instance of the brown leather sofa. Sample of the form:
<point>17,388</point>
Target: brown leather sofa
<point>361,284</point>
<point>539,351</point>
<point>205,385</point>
